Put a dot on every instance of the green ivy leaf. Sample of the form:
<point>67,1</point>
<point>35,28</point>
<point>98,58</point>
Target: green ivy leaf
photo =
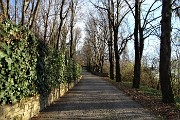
<point>6,48</point>
<point>9,61</point>
<point>11,32</point>
<point>2,94</point>
<point>2,54</point>
<point>2,33</point>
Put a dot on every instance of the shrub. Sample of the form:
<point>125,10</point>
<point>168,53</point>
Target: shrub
<point>17,62</point>
<point>127,71</point>
<point>148,77</point>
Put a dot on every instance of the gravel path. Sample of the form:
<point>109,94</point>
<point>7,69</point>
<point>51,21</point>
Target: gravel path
<point>95,99</point>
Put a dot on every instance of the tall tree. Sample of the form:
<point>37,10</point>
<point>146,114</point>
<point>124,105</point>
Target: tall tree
<point>108,8</point>
<point>115,26</point>
<point>165,52</point>
<point>115,16</point>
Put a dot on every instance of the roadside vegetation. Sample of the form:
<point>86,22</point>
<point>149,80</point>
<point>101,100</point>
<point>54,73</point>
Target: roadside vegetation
<point>33,59</point>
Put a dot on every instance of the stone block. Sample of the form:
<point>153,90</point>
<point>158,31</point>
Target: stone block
<point>29,107</point>
<point>1,111</point>
<point>17,117</point>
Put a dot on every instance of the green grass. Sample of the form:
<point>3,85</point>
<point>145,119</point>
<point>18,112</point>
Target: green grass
<point>150,91</point>
<point>177,100</point>
<point>127,84</point>
<point>145,89</point>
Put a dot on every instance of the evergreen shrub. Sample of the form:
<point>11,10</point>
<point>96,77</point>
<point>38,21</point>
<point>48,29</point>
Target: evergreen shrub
<point>28,66</point>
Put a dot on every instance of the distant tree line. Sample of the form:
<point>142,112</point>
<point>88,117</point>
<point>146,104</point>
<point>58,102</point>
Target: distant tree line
<point>108,33</point>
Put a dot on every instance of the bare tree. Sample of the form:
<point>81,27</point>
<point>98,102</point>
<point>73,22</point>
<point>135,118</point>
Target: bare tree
<point>116,16</point>
<point>107,8</point>
<point>96,37</point>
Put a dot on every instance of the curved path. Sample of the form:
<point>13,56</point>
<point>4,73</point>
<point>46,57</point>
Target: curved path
<point>95,99</point>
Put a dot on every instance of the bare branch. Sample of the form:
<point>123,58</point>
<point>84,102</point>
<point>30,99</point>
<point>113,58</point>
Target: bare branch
<point>148,12</point>
<point>131,8</point>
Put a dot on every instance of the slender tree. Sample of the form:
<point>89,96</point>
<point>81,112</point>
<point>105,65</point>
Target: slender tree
<point>116,20</point>
<point>115,17</point>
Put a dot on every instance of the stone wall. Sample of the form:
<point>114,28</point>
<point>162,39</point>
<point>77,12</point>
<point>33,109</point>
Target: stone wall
<point>27,108</point>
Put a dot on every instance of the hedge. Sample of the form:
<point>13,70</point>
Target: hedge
<point>28,66</point>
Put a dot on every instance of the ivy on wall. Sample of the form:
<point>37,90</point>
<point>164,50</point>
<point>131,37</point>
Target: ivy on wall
<point>28,66</point>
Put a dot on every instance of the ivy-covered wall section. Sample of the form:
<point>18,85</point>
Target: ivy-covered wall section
<point>28,66</point>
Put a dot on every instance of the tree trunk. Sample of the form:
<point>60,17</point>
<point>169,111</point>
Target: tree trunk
<point>15,11</point>
<point>46,21</point>
<point>25,3</point>
<point>165,53</point>
<point>137,66</point>
<point>71,28</point>
<point>3,7</point>
<point>111,61</point>
<point>116,51</point>
<point>7,9</point>
<point>71,38</point>
<point>110,44</point>
<point>111,55</point>
<point>137,71</point>
<point>60,24</point>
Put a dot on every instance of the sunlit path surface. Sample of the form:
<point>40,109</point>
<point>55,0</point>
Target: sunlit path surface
<point>95,99</point>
